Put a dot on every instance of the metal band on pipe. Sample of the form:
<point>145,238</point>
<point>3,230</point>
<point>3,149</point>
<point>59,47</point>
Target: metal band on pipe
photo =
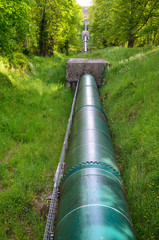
<point>97,145</point>
<point>119,181</point>
<point>88,86</point>
<point>93,106</point>
<point>91,129</point>
<point>94,205</point>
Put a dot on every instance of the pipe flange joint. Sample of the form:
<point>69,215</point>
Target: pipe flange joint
<point>91,164</point>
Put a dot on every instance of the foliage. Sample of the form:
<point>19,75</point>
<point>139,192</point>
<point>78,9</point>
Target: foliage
<point>16,24</point>
<point>61,25</point>
<point>34,112</point>
<point>124,22</point>
<point>40,27</point>
<point>21,62</point>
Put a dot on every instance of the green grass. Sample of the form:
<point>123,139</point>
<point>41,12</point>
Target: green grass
<point>131,97</point>
<point>116,54</point>
<point>34,110</point>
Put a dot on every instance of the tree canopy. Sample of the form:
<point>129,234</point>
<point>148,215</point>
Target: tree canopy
<point>124,22</point>
<point>39,26</point>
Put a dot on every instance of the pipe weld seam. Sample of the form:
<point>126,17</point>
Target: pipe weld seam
<point>96,145</point>
<point>90,129</point>
<point>93,106</point>
<point>63,180</point>
<point>85,86</point>
<point>94,205</point>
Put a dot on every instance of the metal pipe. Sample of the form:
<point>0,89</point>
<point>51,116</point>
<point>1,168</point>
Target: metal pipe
<point>85,43</point>
<point>92,203</point>
<point>85,23</point>
<point>85,37</point>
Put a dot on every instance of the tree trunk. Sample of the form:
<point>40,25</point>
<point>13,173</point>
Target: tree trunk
<point>131,42</point>
<point>131,38</point>
<point>67,47</point>
<point>52,43</point>
<point>43,36</point>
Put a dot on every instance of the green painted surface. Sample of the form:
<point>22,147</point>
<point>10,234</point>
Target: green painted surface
<point>89,94</point>
<point>92,203</point>
<point>93,200</point>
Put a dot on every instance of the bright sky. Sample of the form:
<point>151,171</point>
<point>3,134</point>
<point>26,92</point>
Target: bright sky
<point>84,2</point>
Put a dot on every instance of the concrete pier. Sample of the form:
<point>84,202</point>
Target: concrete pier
<point>76,67</point>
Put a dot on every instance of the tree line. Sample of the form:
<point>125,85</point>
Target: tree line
<point>39,26</point>
<point>124,22</point>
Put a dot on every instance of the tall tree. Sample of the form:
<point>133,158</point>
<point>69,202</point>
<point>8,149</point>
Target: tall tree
<point>58,21</point>
<point>40,26</point>
<point>135,16</point>
<point>16,24</point>
<point>123,22</point>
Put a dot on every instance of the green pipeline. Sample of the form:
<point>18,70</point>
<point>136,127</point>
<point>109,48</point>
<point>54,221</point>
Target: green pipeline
<point>92,204</point>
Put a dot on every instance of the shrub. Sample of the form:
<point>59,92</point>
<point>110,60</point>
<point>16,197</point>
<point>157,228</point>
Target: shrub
<point>21,62</point>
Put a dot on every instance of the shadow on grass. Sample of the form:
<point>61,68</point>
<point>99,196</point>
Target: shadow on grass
<point>5,81</point>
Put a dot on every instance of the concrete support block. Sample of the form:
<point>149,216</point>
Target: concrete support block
<point>76,67</point>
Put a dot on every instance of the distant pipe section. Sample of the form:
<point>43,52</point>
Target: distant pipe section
<point>85,44</point>
<point>85,23</point>
<point>85,37</point>
<point>92,204</point>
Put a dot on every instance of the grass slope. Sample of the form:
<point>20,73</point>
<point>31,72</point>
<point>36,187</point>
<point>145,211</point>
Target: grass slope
<point>130,98</point>
<point>34,110</point>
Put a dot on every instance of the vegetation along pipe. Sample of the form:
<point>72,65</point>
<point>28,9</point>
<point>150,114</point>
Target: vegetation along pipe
<point>92,204</point>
